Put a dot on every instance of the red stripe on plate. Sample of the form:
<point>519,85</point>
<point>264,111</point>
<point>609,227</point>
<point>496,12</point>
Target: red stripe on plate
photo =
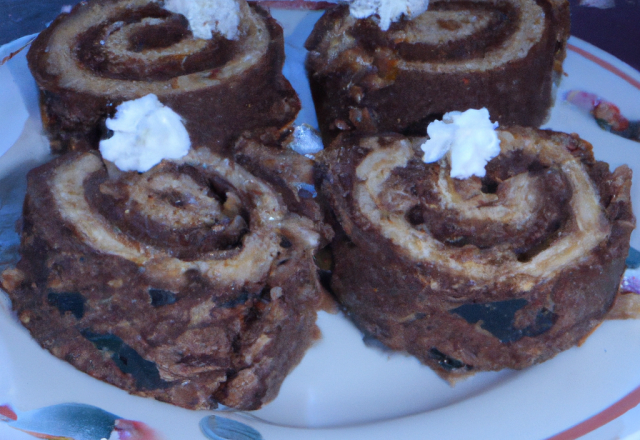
<point>632,399</point>
<point>602,63</point>
<point>623,405</point>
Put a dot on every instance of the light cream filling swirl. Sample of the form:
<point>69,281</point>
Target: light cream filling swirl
<point>62,61</point>
<point>588,225</point>
<point>251,264</point>
<point>426,28</point>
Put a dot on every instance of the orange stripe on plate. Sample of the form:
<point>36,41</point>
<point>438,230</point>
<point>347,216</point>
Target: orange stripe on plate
<point>623,405</point>
<point>610,67</point>
<point>632,399</point>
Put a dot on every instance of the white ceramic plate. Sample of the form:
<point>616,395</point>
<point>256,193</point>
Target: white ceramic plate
<point>342,389</point>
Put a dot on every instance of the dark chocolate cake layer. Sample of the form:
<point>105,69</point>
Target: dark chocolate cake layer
<point>459,54</point>
<point>104,52</point>
<point>477,274</point>
<point>290,173</point>
<point>191,283</point>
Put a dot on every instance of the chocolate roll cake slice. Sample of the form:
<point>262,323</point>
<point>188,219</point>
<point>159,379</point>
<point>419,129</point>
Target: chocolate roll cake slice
<point>478,274</point>
<point>191,283</point>
<point>459,54</point>
<point>105,52</point>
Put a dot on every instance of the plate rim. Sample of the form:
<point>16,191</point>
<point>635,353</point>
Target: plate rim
<point>613,411</point>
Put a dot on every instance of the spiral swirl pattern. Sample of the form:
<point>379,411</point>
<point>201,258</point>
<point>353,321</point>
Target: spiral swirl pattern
<point>459,54</point>
<point>498,272</point>
<point>102,53</point>
<point>191,283</point>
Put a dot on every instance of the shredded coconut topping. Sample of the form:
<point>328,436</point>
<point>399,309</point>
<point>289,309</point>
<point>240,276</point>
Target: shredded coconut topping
<point>207,16</point>
<point>144,133</point>
<point>387,10</point>
<point>470,139</point>
<point>306,140</point>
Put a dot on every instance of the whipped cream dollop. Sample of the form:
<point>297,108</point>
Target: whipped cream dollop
<point>469,137</point>
<point>144,133</point>
<point>207,16</point>
<point>388,10</point>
